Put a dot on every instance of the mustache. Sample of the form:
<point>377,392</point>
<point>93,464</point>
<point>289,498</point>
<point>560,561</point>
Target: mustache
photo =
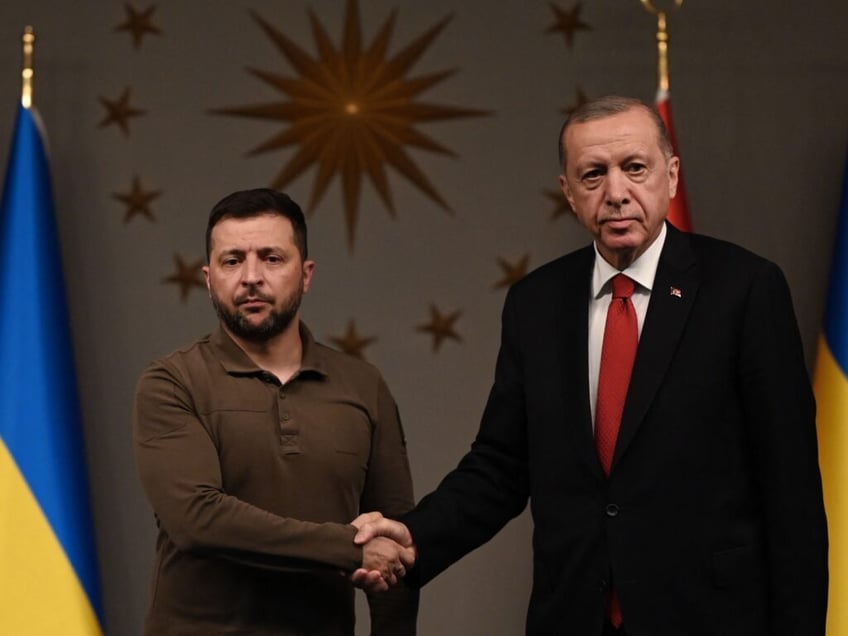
<point>618,215</point>
<point>252,294</point>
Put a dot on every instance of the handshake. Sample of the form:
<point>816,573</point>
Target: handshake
<point>387,552</point>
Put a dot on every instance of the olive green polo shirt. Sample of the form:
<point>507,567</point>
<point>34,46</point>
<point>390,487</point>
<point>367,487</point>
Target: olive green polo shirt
<point>254,484</point>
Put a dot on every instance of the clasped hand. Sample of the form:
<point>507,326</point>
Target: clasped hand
<point>387,552</point>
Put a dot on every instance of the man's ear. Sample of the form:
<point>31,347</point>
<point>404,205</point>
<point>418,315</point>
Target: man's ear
<point>206,276</point>
<point>566,191</point>
<point>673,176</point>
<point>308,270</point>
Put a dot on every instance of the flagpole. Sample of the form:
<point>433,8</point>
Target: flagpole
<point>662,39</point>
<point>27,71</point>
<point>48,561</point>
<point>678,209</point>
<point>662,51</point>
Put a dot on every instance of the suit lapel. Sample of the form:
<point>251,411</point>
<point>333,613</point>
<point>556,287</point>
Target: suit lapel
<point>672,297</point>
<point>571,326</point>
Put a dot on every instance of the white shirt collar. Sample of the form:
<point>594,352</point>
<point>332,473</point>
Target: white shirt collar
<point>643,270</point>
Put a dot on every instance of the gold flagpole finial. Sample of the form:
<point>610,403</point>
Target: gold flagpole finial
<point>662,39</point>
<point>27,72</point>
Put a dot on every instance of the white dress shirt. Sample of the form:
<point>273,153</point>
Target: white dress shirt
<point>643,271</point>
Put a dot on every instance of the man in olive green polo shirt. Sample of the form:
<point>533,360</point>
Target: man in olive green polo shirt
<point>257,446</point>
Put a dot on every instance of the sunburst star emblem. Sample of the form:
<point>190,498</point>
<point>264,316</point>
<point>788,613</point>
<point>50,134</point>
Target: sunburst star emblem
<point>352,111</point>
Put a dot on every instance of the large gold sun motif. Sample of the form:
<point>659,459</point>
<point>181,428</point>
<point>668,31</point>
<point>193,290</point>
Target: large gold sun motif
<point>351,111</point>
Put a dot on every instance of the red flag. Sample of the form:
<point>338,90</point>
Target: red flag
<point>678,210</point>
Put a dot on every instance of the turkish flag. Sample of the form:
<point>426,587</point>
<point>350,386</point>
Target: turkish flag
<point>678,210</point>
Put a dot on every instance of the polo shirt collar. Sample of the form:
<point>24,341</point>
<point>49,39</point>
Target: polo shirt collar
<point>237,362</point>
<point>314,358</point>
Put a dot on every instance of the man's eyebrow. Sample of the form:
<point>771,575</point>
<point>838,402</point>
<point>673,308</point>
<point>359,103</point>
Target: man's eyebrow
<point>230,253</point>
<point>636,156</point>
<point>593,164</point>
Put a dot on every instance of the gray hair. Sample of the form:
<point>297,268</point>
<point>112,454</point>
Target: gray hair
<point>606,107</point>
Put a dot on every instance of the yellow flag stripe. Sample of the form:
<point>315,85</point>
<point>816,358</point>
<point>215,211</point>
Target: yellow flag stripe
<point>39,590</point>
<point>831,388</point>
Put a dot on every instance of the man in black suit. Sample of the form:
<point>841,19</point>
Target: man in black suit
<point>706,516</point>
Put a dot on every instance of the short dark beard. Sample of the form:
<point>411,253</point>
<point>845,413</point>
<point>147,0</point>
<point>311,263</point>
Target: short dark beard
<point>275,324</point>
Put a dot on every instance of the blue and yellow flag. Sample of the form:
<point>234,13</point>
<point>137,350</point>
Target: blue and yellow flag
<point>48,572</point>
<point>831,386</point>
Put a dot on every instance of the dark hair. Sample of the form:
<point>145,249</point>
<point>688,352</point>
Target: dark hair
<point>246,204</point>
<point>605,107</point>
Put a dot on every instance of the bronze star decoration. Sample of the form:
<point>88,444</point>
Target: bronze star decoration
<point>187,275</point>
<point>119,112</point>
<point>139,23</point>
<point>562,206</point>
<point>137,200</point>
<point>352,343</point>
<point>568,22</point>
<point>580,98</point>
<point>512,272</point>
<point>352,111</point>
<point>440,326</point>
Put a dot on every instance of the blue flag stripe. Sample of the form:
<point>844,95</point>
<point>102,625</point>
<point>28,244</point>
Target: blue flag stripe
<point>836,314</point>
<point>39,404</point>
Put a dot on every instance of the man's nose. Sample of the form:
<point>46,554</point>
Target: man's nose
<point>617,188</point>
<point>251,271</point>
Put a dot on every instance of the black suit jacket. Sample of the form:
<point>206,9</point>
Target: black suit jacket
<point>712,520</point>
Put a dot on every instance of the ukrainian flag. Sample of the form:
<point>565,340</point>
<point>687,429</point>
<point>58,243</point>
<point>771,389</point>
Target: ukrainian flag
<point>48,574</point>
<point>831,387</point>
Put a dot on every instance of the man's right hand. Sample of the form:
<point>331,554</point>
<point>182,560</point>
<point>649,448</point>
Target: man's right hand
<point>382,527</point>
<point>387,553</point>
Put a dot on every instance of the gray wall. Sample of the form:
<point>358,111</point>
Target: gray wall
<point>760,99</point>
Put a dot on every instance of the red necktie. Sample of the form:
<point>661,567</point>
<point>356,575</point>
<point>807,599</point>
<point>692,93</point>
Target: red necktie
<point>621,337</point>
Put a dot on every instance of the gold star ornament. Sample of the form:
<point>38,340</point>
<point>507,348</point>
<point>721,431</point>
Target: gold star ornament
<point>139,23</point>
<point>580,98</point>
<point>137,200</point>
<point>512,272</point>
<point>351,111</point>
<point>186,276</point>
<point>119,112</point>
<point>561,205</point>
<point>567,22</point>
<point>352,343</point>
<point>440,326</point>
